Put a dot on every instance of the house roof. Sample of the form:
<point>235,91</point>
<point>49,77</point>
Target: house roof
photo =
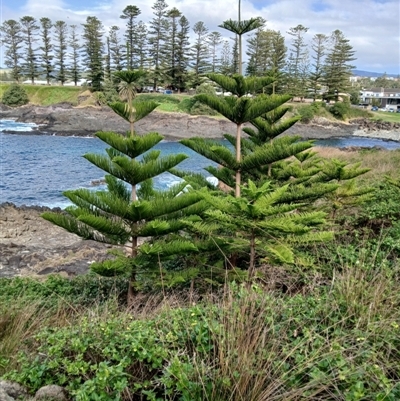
<point>382,90</point>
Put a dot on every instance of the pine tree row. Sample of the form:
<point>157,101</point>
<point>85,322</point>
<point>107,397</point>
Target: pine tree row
<point>162,46</point>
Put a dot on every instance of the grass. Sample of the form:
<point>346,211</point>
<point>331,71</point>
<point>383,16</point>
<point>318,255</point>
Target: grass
<point>335,343</point>
<point>48,95</point>
<point>386,116</point>
<point>381,162</point>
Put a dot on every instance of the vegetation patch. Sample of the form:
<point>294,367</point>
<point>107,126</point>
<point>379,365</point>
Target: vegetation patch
<point>48,95</point>
<point>14,96</point>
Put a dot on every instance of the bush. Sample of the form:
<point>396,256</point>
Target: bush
<point>186,104</point>
<point>155,97</point>
<point>15,95</point>
<point>82,290</point>
<point>205,88</point>
<point>308,112</point>
<point>340,110</point>
<point>200,109</point>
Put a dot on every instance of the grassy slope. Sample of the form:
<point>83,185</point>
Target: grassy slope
<point>47,95</point>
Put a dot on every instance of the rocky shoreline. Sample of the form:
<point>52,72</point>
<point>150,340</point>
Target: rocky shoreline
<point>63,119</point>
<point>31,246</point>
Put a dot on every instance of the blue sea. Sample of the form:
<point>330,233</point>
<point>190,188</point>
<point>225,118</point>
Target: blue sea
<point>36,169</point>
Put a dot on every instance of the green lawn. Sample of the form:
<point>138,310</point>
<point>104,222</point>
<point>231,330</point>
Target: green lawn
<point>386,116</point>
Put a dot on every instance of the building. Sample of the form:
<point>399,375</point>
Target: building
<point>387,98</point>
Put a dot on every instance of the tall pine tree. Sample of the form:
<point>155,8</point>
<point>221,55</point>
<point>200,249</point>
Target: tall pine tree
<point>129,14</point>
<point>29,30</point>
<point>11,40</point>
<point>93,45</point>
<point>337,67</point>
<point>157,38</point>
<point>75,46</point>
<point>46,48</point>
<point>60,47</point>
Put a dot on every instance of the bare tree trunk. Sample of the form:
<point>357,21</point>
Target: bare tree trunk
<point>238,159</point>
<point>240,44</point>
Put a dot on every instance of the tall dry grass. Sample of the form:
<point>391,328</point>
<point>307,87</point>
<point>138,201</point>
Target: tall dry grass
<point>381,162</point>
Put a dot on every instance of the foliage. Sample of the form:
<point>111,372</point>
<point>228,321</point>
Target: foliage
<point>248,345</point>
<point>308,112</point>
<point>194,107</point>
<point>122,212</point>
<point>84,290</point>
<point>15,95</point>
<point>340,110</point>
<point>110,92</point>
<point>336,69</point>
<point>205,88</point>
<point>158,98</point>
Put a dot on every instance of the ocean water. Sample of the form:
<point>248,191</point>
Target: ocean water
<point>36,169</point>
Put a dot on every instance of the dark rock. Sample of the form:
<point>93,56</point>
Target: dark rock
<point>86,121</point>
<point>15,261</point>
<point>47,270</point>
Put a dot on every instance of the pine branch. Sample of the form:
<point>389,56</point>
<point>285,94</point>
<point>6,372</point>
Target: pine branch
<point>72,225</point>
<point>139,109</point>
<point>135,172</point>
<point>205,148</point>
<point>110,227</point>
<point>130,146</point>
<point>279,149</point>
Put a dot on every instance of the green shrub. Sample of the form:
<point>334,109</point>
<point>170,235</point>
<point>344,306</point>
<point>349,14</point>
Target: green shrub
<point>194,107</point>
<point>307,113</point>
<point>15,95</point>
<point>340,110</point>
<point>158,98</point>
<point>84,290</point>
<point>205,88</point>
<point>110,92</point>
<point>200,109</point>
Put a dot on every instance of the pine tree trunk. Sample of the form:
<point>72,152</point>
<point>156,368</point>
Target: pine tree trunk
<point>132,278</point>
<point>132,123</point>
<point>252,265</point>
<point>238,159</point>
<point>133,193</point>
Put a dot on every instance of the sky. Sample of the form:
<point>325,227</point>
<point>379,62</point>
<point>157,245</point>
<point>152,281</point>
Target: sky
<point>372,26</point>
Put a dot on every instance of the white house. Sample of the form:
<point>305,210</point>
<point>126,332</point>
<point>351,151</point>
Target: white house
<point>386,97</point>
